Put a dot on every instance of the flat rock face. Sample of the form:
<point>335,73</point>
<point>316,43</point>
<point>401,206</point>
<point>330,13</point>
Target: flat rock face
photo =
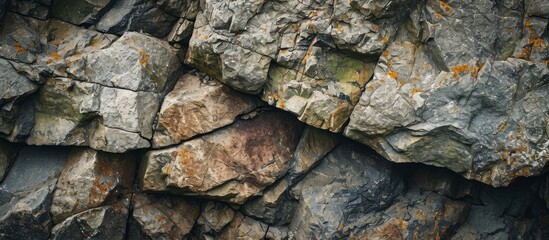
<point>231,164</point>
<point>470,96</point>
<point>162,217</point>
<point>25,193</point>
<point>91,179</point>
<point>196,106</point>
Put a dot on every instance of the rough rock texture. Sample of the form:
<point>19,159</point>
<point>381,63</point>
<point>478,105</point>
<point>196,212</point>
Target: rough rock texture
<point>25,193</point>
<point>228,119</point>
<point>196,106</point>
<point>463,95</point>
<point>91,179</point>
<point>162,217</point>
<point>232,164</point>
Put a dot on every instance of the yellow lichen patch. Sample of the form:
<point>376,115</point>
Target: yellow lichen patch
<point>393,74</point>
<point>144,57</point>
<point>183,156</point>
<point>458,69</point>
<point>445,6</point>
<point>339,28</point>
<point>55,55</point>
<point>415,90</point>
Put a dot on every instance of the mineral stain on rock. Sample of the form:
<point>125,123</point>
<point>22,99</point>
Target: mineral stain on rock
<point>255,119</point>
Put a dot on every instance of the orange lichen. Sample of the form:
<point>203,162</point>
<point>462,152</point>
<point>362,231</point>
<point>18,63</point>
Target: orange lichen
<point>144,57</point>
<point>537,42</point>
<point>385,40</point>
<point>438,15</point>
<point>386,53</point>
<point>55,55</point>
<point>49,61</point>
<point>445,6</point>
<point>393,74</point>
<point>19,48</point>
<point>415,90</point>
<point>281,103</point>
<point>206,37</point>
<point>376,27</point>
<point>456,70</point>
<point>307,56</point>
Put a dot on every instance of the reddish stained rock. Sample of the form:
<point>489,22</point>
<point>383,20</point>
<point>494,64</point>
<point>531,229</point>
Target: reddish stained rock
<point>90,179</point>
<point>231,164</point>
<point>197,106</point>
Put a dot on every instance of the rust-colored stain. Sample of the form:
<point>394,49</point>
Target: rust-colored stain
<point>386,53</point>
<point>537,42</point>
<point>18,48</point>
<point>144,57</point>
<point>445,6</point>
<point>55,55</point>
<point>393,74</point>
<point>456,70</point>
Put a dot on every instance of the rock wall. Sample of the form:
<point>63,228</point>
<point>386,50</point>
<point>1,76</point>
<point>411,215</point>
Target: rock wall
<point>218,119</point>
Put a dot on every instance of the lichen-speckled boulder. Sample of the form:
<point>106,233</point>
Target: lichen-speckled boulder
<point>470,94</point>
<point>196,106</point>
<point>91,179</point>
<point>231,164</point>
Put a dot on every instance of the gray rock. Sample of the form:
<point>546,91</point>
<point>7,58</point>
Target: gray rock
<point>448,101</point>
<point>354,182</point>
<point>105,222</point>
<point>162,217</point>
<point>8,152</point>
<point>80,12</point>
<point>91,179</point>
<point>33,8</point>
<point>138,16</point>
<point>245,228</point>
<point>143,64</point>
<point>12,84</point>
<point>196,106</point>
<point>231,164</point>
<point>275,207</point>
<point>25,193</point>
<point>215,216</point>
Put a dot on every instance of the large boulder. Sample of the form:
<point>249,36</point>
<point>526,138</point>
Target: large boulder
<point>354,182</point>
<point>198,105</point>
<point>26,193</point>
<point>91,179</point>
<point>231,164</point>
<point>464,95</point>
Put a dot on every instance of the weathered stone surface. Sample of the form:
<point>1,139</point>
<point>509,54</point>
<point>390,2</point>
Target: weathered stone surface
<point>91,179</point>
<point>12,84</point>
<point>245,228</point>
<point>144,63</point>
<point>33,8</point>
<point>196,106</point>
<point>25,193</point>
<point>162,217</point>
<point>313,146</point>
<point>215,216</point>
<point>8,152</point>
<point>231,164</point>
<point>274,207</point>
<point>417,215</point>
<point>65,109</point>
<point>79,12</point>
<point>452,100</point>
<point>106,222</point>
<point>354,183</point>
<point>152,17</point>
